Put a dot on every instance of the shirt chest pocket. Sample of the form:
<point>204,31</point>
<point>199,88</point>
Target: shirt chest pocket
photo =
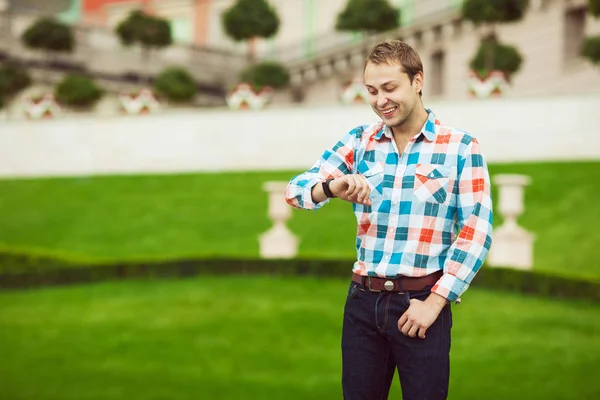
<point>373,171</point>
<point>434,183</point>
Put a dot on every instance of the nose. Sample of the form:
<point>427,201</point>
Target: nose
<point>381,101</point>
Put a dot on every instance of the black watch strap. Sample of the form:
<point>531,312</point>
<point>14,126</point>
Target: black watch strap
<point>327,190</point>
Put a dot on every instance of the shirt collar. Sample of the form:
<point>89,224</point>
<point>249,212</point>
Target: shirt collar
<point>428,129</point>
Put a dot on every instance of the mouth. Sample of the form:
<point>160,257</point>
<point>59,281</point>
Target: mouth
<point>388,112</point>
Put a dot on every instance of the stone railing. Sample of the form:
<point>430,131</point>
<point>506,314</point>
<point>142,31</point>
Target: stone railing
<point>512,245</point>
<point>99,51</point>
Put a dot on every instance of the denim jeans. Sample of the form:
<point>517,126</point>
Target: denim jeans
<point>373,347</point>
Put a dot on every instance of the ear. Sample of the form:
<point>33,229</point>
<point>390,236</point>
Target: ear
<point>418,81</point>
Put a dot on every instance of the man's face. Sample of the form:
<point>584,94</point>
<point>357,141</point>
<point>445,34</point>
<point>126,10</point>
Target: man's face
<point>391,94</point>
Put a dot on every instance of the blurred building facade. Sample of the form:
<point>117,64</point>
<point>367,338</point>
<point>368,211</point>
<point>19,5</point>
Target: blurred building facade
<point>322,61</point>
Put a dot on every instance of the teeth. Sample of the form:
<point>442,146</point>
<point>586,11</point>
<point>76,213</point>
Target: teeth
<point>389,111</point>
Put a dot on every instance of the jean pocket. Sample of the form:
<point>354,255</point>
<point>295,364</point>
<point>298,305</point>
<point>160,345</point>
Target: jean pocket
<point>433,183</point>
<point>353,289</point>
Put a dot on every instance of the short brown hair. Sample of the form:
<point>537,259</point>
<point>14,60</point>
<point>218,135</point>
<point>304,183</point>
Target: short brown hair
<point>396,52</point>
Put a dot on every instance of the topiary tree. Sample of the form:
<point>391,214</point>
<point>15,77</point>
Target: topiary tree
<point>147,31</point>
<point>269,73</point>
<point>591,45</point>
<point>247,20</point>
<point>492,54</point>
<point>49,35</point>
<point>77,91</point>
<point>368,16</point>
<point>13,79</point>
<point>176,84</point>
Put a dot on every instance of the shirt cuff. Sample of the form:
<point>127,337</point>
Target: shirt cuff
<point>307,196</point>
<point>450,287</point>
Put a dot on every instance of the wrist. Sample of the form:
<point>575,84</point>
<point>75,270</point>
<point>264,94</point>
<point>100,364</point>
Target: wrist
<point>327,188</point>
<point>437,301</point>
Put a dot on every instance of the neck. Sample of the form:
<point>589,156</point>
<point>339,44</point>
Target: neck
<point>413,124</point>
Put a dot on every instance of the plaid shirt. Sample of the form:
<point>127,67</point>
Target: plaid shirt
<point>431,206</point>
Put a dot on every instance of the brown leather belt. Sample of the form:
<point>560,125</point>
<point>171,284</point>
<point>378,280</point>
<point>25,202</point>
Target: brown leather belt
<point>402,284</point>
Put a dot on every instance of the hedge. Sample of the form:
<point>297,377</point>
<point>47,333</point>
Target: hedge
<point>23,270</point>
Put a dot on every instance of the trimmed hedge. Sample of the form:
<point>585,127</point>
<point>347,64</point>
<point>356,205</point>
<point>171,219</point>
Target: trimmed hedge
<point>21,270</point>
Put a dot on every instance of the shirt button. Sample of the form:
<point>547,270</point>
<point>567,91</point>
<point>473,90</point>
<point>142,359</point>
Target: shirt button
<point>386,258</point>
<point>391,230</point>
<point>395,203</point>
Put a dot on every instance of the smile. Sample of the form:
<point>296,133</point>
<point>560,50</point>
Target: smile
<point>388,111</point>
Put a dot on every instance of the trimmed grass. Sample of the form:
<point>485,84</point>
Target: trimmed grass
<point>269,338</point>
<point>199,215</point>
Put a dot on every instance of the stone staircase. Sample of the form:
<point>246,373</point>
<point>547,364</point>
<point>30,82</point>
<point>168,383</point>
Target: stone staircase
<point>99,54</point>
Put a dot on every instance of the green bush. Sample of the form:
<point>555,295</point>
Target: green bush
<point>50,35</point>
<point>13,79</point>
<point>176,84</point>
<point>268,73</point>
<point>591,49</point>
<point>594,7</point>
<point>146,30</point>
<point>20,270</point>
<point>368,16</point>
<point>491,11</point>
<point>493,55</point>
<point>248,19</point>
<point>77,91</point>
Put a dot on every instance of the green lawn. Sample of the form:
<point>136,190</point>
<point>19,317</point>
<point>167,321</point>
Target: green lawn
<point>269,338</point>
<point>195,215</point>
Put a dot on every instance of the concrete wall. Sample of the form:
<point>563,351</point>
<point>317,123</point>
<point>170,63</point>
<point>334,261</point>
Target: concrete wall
<point>561,128</point>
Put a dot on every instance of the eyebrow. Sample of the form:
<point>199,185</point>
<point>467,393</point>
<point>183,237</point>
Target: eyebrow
<point>385,84</point>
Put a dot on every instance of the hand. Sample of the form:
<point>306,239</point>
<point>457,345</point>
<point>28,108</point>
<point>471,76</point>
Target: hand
<point>352,188</point>
<point>420,315</point>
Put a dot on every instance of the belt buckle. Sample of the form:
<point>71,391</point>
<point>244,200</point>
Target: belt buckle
<point>379,291</point>
<point>369,286</point>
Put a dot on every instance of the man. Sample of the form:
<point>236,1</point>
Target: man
<point>421,194</point>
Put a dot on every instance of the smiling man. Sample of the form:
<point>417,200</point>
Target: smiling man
<point>421,194</point>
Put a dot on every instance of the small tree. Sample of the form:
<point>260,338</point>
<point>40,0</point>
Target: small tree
<point>492,54</point>
<point>368,16</point>
<point>13,79</point>
<point>250,19</point>
<point>177,84</point>
<point>49,35</point>
<point>268,73</point>
<point>591,46</point>
<point>77,91</point>
<point>146,31</point>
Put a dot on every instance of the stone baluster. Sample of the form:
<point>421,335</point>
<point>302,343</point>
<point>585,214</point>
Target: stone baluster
<point>512,245</point>
<point>279,241</point>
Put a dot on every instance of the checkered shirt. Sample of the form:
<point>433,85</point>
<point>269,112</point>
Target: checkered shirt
<point>431,206</point>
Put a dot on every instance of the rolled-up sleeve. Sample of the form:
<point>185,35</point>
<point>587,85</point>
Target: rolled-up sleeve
<point>334,162</point>
<point>474,206</point>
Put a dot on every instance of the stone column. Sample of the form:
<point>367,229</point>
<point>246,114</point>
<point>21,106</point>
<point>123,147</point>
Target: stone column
<point>279,241</point>
<point>512,246</point>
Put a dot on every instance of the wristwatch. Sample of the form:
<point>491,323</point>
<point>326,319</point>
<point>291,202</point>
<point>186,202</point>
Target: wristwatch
<point>327,190</point>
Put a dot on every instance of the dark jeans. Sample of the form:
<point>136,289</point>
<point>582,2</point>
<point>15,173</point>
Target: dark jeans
<point>373,347</point>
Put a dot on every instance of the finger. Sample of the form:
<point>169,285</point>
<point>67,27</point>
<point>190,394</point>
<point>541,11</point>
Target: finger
<point>412,332</point>
<point>402,321</point>
<point>357,187</point>
<point>406,328</point>
<point>422,331</point>
<point>351,186</point>
<point>366,191</point>
<point>361,191</point>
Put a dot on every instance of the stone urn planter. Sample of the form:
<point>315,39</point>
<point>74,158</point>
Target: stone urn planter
<point>492,84</point>
<point>245,97</point>
<point>141,102</point>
